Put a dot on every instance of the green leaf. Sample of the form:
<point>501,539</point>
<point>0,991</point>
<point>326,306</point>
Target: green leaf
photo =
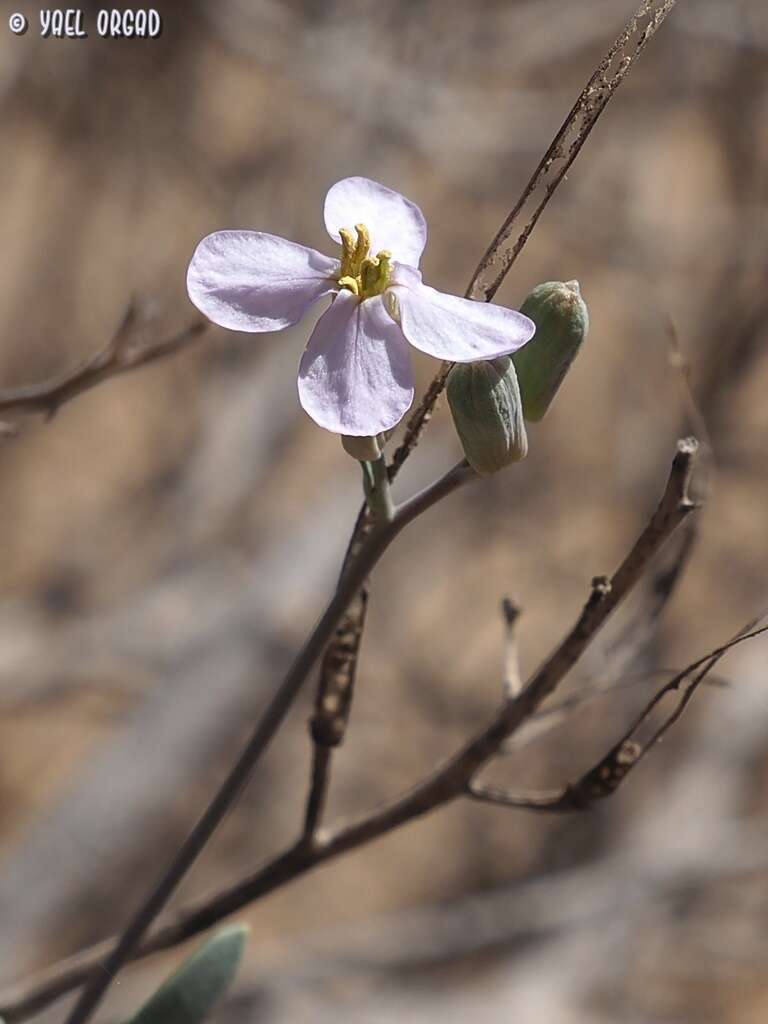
<point>189,994</point>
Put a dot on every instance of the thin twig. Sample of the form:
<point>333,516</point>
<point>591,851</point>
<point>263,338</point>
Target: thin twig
<point>339,666</point>
<point>606,776</point>
<point>318,789</point>
<point>550,173</point>
<point>270,721</point>
<point>447,783</point>
<point>512,682</point>
<point>336,684</point>
<point>120,355</point>
<point>674,507</point>
<point>636,634</point>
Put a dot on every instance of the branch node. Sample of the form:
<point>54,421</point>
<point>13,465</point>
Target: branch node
<point>510,611</point>
<point>601,588</point>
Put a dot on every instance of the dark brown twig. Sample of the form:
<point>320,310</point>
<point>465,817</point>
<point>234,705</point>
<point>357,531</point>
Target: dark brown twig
<point>270,721</point>
<point>606,776</point>
<point>567,144</point>
<point>320,778</point>
<point>336,683</point>
<point>550,173</point>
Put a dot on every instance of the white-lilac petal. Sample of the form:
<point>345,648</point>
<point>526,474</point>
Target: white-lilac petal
<point>253,281</point>
<point>355,375</point>
<point>394,222</point>
<point>451,328</point>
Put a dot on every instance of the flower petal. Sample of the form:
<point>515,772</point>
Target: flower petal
<point>355,375</point>
<point>395,223</point>
<point>459,330</point>
<point>252,281</point>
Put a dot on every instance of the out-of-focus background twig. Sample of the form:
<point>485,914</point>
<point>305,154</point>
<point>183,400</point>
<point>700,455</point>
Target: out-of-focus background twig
<point>168,537</point>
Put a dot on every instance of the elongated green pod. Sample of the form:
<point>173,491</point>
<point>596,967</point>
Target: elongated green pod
<point>562,323</point>
<point>487,413</point>
<point>189,994</point>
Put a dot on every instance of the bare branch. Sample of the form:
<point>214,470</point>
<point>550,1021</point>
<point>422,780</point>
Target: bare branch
<point>320,780</point>
<point>373,548</point>
<point>338,667</point>
<point>637,633</point>
<point>606,776</point>
<point>567,144</point>
<point>120,355</point>
<point>512,682</point>
<point>551,171</point>
<point>674,507</point>
<point>447,783</point>
<point>336,684</point>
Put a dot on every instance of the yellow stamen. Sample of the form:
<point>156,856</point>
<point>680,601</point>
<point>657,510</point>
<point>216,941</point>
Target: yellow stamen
<point>347,251</point>
<point>364,275</point>
<point>351,283</point>
<point>363,243</point>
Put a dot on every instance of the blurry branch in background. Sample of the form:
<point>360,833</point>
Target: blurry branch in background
<point>124,352</point>
<point>454,779</point>
<point>512,682</point>
<point>627,656</point>
<point>638,632</point>
<point>621,665</point>
<point>694,414</point>
<point>606,776</point>
<point>567,144</point>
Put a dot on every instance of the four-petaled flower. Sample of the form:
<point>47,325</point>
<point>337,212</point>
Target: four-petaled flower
<point>355,376</point>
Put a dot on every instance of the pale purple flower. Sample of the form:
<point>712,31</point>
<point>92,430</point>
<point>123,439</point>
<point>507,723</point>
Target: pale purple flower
<point>355,376</point>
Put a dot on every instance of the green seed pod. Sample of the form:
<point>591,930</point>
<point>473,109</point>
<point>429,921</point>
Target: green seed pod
<point>562,322</point>
<point>487,413</point>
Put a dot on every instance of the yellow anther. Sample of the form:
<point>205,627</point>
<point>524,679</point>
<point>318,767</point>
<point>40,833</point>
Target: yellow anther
<point>363,243</point>
<point>360,273</point>
<point>347,252</point>
<point>369,274</point>
<point>385,264</point>
<point>347,242</point>
<point>377,274</point>
<point>350,283</point>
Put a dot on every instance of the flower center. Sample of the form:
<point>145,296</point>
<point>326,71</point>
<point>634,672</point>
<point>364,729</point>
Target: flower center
<point>362,274</point>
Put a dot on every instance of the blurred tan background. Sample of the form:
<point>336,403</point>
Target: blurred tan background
<point>169,537</point>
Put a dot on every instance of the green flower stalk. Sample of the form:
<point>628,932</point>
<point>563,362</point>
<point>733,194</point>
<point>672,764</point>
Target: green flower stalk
<point>562,322</point>
<point>364,449</point>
